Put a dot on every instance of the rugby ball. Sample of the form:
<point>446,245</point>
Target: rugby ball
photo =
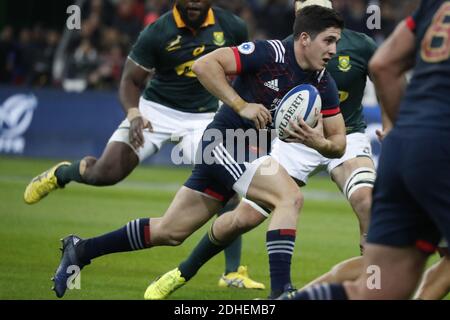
<point>301,102</point>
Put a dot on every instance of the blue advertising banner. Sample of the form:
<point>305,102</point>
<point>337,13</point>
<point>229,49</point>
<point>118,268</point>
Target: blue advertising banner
<point>50,123</point>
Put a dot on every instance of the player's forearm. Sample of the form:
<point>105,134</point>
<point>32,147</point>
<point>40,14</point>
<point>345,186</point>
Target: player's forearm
<point>388,66</point>
<point>386,121</point>
<point>213,77</point>
<point>390,89</point>
<point>130,88</point>
<point>332,146</point>
<point>129,94</point>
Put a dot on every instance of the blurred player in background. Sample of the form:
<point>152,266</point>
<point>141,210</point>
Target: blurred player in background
<point>173,106</point>
<point>233,169</point>
<point>436,281</point>
<point>411,196</point>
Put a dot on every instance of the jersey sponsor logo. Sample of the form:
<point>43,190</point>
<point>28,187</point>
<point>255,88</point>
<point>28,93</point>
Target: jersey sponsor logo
<point>219,39</point>
<point>185,69</point>
<point>174,44</point>
<point>198,51</point>
<point>16,115</point>
<point>272,84</point>
<point>343,95</point>
<point>246,48</point>
<point>344,63</point>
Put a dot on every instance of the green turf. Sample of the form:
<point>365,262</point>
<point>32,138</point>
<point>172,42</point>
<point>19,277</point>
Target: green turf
<point>29,235</point>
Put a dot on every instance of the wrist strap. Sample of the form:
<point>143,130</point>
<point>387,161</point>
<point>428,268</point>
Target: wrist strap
<point>238,104</point>
<point>133,113</point>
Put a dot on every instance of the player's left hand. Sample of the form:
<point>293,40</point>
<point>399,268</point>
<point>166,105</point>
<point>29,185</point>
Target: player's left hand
<point>381,134</point>
<point>302,133</point>
<point>136,131</point>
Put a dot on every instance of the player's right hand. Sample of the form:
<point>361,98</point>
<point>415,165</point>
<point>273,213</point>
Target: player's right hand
<point>136,134</point>
<point>257,113</point>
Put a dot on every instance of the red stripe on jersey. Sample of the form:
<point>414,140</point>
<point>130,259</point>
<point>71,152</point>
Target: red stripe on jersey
<point>147,235</point>
<point>287,232</point>
<point>237,57</point>
<point>425,246</point>
<point>411,24</point>
<point>331,112</point>
<point>214,194</point>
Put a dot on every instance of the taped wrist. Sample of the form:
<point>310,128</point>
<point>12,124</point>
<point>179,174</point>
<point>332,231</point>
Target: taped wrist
<point>238,104</point>
<point>133,113</point>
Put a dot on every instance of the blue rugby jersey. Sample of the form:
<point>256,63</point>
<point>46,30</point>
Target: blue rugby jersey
<point>267,70</point>
<point>426,104</point>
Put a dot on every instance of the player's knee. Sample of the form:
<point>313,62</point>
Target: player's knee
<point>175,239</point>
<point>377,65</point>
<point>335,273</point>
<point>167,237</point>
<point>245,222</point>
<point>362,201</point>
<point>88,170</point>
<point>344,271</point>
<point>292,198</point>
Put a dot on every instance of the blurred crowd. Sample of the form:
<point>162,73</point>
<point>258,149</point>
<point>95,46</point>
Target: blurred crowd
<point>93,56</point>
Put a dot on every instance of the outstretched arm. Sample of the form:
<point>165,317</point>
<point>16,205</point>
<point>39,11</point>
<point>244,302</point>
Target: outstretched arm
<point>388,66</point>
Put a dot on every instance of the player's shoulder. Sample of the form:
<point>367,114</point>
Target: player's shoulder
<point>277,49</point>
<point>358,38</point>
<point>358,41</point>
<point>229,19</point>
<point>268,50</point>
<point>226,15</point>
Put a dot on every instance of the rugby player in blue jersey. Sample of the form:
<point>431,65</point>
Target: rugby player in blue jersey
<point>173,106</point>
<point>222,171</point>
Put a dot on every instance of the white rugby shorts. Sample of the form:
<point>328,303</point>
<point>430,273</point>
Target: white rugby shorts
<point>301,161</point>
<point>169,125</point>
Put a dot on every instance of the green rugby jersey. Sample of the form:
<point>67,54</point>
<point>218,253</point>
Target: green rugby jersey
<point>349,68</point>
<point>171,47</point>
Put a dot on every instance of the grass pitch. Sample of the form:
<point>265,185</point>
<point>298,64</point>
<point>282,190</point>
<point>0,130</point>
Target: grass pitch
<point>29,236</point>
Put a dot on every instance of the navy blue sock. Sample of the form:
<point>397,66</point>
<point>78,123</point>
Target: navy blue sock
<point>322,291</point>
<point>134,236</point>
<point>280,246</point>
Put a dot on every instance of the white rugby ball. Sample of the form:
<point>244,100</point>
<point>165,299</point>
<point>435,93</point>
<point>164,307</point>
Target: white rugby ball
<point>301,102</point>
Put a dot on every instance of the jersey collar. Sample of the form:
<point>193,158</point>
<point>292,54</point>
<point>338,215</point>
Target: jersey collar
<point>210,19</point>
